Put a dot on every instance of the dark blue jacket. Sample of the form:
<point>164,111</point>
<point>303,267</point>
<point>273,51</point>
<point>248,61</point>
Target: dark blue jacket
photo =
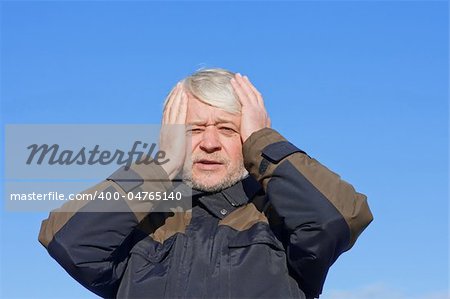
<point>274,234</point>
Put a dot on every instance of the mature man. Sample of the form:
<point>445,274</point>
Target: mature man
<point>267,220</point>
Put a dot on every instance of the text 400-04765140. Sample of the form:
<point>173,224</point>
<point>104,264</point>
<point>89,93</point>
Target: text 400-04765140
<point>142,195</point>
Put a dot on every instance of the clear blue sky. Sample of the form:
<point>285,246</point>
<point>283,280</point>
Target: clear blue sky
<point>361,86</point>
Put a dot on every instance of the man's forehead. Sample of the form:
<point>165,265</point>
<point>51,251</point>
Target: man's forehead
<point>199,112</point>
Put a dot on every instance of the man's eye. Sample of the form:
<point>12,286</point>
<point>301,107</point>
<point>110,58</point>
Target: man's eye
<point>227,130</point>
<point>195,130</point>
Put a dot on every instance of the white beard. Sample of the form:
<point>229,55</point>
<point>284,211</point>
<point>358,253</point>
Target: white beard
<point>233,175</point>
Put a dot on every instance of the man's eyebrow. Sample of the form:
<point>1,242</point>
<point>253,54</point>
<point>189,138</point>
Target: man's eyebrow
<point>219,120</point>
<point>196,123</point>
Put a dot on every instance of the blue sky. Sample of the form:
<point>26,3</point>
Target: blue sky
<point>360,86</point>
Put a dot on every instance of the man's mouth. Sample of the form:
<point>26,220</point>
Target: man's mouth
<point>207,164</point>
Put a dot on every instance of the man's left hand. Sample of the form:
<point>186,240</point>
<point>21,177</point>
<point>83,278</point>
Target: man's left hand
<point>253,113</point>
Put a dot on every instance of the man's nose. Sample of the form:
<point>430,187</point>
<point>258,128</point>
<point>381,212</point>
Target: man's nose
<point>210,140</point>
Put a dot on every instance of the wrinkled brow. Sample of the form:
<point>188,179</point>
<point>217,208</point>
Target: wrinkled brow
<point>218,120</point>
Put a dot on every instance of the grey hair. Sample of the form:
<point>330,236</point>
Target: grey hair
<point>212,86</point>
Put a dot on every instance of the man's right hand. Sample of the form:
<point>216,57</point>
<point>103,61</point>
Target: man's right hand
<point>172,138</point>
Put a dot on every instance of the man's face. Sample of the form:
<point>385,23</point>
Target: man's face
<point>217,161</point>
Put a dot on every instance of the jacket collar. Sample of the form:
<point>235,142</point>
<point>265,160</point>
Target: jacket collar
<point>221,203</point>
<point>242,192</point>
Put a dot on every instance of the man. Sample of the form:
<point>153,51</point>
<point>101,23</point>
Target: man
<point>266,219</point>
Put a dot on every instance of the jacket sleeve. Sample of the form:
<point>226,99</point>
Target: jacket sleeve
<point>321,215</point>
<point>92,244</point>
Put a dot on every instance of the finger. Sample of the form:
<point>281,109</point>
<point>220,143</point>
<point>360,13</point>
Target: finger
<point>246,88</point>
<point>175,109</point>
<point>173,105</point>
<point>170,96</point>
<point>255,91</point>
<point>181,116</point>
<point>242,97</point>
<point>169,104</point>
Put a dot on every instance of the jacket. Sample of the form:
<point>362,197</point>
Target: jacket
<point>274,234</point>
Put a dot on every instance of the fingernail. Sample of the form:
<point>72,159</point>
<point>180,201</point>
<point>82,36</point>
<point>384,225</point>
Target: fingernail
<point>239,74</point>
